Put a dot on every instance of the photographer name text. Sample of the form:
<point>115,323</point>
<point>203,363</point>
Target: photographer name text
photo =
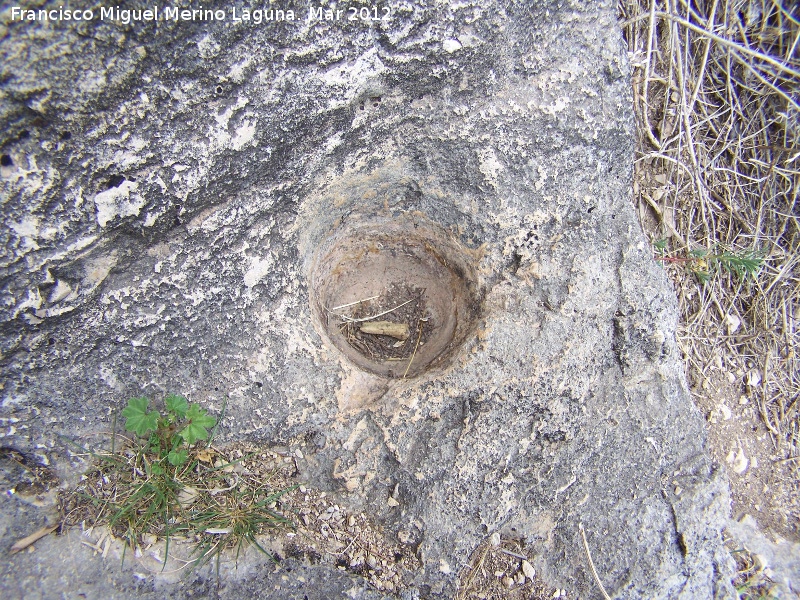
<point>126,16</point>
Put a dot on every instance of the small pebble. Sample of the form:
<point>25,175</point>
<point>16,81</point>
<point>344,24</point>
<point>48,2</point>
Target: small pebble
<point>494,539</point>
<point>528,570</point>
<point>733,322</point>
<point>740,462</point>
<point>753,378</point>
<point>508,582</point>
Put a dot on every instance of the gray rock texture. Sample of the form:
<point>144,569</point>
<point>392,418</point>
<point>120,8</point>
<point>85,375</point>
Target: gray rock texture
<point>776,558</point>
<point>167,190</point>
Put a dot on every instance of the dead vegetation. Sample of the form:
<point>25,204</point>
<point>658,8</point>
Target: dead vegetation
<point>717,175</point>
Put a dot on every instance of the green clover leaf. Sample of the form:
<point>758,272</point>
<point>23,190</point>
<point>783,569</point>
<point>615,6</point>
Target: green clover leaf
<point>137,419</point>
<point>176,404</point>
<point>199,421</point>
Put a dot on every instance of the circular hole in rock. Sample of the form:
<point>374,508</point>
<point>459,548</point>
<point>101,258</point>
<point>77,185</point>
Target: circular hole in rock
<point>395,300</point>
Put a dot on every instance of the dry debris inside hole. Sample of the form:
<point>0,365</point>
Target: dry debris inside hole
<point>499,569</point>
<point>408,277</point>
<point>400,304</point>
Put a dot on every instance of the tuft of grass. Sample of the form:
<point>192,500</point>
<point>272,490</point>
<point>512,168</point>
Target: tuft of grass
<point>165,485</point>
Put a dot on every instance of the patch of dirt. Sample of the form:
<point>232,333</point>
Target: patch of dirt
<point>762,484</point>
<point>321,531</point>
<point>750,581</point>
<point>499,570</point>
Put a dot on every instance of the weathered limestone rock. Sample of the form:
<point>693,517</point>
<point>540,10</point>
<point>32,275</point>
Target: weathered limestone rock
<point>183,202</point>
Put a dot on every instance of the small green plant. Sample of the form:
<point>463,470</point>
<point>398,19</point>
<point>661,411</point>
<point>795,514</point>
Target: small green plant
<point>660,247</point>
<point>168,435</point>
<point>703,264</point>
<point>164,485</point>
<point>742,264</point>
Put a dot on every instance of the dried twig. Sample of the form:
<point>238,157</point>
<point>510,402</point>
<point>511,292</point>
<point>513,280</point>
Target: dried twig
<point>395,330</point>
<point>371,317</point>
<point>27,541</point>
<point>341,306</point>
<point>413,354</point>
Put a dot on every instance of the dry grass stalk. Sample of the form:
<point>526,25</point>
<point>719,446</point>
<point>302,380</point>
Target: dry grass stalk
<point>591,563</point>
<point>28,540</point>
<point>716,89</point>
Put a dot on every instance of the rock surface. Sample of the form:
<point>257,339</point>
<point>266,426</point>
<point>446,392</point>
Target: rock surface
<point>166,188</point>
<point>776,558</point>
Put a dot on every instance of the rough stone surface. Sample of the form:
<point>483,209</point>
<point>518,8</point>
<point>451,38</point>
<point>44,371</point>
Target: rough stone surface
<point>776,558</point>
<point>170,186</point>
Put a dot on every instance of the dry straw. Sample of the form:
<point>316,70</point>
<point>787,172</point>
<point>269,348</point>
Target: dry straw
<point>716,92</point>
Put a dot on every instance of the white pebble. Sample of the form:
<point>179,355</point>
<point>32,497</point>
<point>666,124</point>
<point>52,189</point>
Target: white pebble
<point>738,461</point>
<point>753,378</point>
<point>733,322</point>
<point>528,570</point>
